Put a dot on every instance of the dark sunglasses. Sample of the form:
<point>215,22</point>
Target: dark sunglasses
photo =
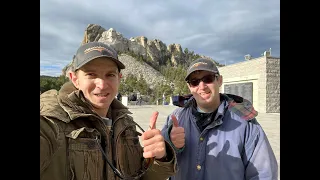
<point>146,163</point>
<point>206,79</point>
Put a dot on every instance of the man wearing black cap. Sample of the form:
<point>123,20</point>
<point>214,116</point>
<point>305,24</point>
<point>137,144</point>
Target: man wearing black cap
<point>86,133</point>
<point>215,135</point>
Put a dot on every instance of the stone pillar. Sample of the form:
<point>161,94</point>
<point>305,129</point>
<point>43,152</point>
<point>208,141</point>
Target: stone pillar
<point>125,100</point>
<point>171,102</point>
<point>163,99</point>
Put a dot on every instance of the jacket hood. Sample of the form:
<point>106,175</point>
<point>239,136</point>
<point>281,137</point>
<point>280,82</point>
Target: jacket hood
<point>70,102</point>
<point>241,106</point>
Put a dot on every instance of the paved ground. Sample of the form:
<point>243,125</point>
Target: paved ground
<point>270,122</point>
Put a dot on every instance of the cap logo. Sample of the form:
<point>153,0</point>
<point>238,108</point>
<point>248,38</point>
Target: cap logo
<point>97,48</point>
<point>198,64</point>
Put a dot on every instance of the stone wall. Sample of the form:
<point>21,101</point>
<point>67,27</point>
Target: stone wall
<point>273,85</point>
<point>264,74</point>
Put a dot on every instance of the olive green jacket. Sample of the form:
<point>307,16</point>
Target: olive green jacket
<point>71,133</point>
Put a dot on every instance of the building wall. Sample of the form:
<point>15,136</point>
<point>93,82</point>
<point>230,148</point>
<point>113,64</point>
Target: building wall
<point>264,73</point>
<point>273,85</point>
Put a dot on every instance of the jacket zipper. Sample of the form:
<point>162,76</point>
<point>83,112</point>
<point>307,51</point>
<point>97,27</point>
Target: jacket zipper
<point>116,140</point>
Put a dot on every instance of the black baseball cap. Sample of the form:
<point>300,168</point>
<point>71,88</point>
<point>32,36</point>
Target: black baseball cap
<point>202,64</point>
<point>92,50</point>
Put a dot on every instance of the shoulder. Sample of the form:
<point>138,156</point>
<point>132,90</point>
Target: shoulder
<point>50,106</point>
<point>52,115</point>
<point>51,126</point>
<point>241,113</point>
<point>240,108</point>
<point>237,118</point>
<point>47,98</point>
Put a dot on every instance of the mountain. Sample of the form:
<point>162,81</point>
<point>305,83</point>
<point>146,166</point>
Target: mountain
<point>135,67</point>
<point>141,55</point>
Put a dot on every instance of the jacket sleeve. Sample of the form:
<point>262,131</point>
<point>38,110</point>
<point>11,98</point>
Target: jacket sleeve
<point>162,170</point>
<point>259,158</point>
<point>49,133</point>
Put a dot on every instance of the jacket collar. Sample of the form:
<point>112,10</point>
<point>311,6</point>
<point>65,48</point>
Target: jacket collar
<point>238,105</point>
<point>71,102</point>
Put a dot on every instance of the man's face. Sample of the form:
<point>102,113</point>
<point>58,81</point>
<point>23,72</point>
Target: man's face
<point>99,80</point>
<point>205,93</point>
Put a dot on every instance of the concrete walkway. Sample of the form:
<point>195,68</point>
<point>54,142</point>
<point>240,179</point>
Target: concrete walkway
<point>269,121</point>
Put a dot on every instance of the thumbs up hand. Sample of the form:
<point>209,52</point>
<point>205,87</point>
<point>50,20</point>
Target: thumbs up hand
<point>177,134</point>
<point>153,141</point>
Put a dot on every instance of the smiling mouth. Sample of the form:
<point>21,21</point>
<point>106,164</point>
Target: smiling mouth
<point>102,95</point>
<point>204,93</point>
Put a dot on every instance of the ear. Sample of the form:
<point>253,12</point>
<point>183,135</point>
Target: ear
<point>120,77</point>
<point>189,87</point>
<point>74,79</point>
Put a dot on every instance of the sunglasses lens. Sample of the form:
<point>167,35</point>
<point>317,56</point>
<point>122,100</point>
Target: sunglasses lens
<point>205,79</point>
<point>208,79</point>
<point>194,82</point>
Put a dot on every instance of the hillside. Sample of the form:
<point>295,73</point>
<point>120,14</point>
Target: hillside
<point>142,55</point>
<point>136,68</point>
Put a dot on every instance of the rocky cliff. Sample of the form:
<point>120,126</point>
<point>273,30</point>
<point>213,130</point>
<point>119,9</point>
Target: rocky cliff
<point>155,52</point>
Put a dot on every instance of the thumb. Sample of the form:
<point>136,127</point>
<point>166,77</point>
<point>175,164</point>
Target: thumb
<point>153,120</point>
<point>175,121</point>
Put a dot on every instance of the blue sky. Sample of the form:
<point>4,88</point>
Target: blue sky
<point>225,30</point>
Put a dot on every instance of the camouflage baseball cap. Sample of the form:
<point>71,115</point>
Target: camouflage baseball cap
<point>92,50</point>
<point>202,64</point>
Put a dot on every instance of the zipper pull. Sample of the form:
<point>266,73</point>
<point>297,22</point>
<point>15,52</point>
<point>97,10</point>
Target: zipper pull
<point>97,139</point>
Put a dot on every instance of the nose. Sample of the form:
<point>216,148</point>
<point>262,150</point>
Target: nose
<point>101,83</point>
<point>202,85</point>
